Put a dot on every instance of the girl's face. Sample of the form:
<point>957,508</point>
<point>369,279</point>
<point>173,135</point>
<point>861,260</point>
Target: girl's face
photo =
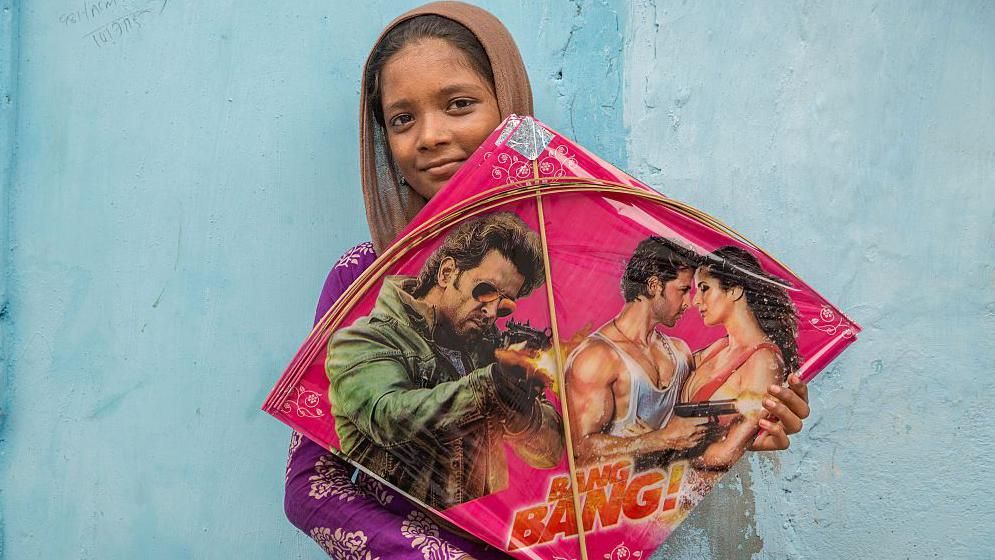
<point>437,111</point>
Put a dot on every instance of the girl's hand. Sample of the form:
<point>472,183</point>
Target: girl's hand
<point>786,407</point>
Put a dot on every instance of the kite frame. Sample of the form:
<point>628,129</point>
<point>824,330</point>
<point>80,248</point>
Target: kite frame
<point>490,199</point>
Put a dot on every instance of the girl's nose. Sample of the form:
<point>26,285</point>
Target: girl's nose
<point>433,132</point>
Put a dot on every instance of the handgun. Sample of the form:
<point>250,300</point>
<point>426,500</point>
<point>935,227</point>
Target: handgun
<point>706,409</point>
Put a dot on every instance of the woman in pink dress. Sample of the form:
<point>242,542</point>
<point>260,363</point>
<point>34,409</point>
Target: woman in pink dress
<point>758,351</point>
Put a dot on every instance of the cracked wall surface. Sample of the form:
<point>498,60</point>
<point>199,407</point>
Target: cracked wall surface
<point>173,199</point>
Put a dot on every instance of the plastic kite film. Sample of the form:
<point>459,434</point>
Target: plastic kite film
<point>555,357</point>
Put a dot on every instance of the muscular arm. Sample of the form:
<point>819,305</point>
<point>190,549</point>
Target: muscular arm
<point>758,373</point>
<point>591,402</point>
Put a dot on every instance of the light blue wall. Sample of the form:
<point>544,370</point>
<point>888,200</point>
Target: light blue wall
<point>173,200</point>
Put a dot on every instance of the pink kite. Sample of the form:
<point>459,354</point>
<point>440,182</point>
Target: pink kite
<point>553,356</point>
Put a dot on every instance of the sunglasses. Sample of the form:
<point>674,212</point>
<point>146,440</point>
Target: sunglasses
<point>485,292</point>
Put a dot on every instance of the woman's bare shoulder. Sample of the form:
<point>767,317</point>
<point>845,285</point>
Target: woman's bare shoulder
<point>764,366</point>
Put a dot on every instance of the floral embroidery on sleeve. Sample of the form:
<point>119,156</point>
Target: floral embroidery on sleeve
<point>375,489</point>
<point>352,256</point>
<point>331,479</point>
<point>343,545</point>
<point>295,442</point>
<point>424,535</point>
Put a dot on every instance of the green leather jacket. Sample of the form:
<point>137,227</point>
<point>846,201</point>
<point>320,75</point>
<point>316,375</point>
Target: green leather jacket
<point>406,411</point>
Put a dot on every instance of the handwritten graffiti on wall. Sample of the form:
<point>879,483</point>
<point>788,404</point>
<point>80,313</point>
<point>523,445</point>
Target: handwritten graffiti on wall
<point>109,21</point>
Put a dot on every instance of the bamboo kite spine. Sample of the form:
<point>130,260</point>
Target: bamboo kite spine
<point>561,382</point>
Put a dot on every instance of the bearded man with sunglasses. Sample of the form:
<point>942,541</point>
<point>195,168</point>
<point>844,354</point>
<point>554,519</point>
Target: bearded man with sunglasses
<point>417,393</point>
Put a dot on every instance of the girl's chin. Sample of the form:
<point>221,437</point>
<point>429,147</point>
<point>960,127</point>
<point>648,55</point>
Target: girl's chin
<point>428,189</point>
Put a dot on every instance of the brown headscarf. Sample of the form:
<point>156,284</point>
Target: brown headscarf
<point>390,205</point>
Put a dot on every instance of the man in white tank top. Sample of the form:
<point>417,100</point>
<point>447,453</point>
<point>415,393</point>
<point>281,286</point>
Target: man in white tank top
<point>623,381</point>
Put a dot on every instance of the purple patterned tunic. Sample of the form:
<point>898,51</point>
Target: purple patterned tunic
<point>364,520</point>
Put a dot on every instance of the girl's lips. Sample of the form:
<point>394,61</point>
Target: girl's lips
<point>445,170</point>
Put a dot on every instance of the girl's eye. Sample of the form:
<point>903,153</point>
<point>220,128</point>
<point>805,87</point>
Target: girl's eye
<point>461,103</point>
<point>400,120</point>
